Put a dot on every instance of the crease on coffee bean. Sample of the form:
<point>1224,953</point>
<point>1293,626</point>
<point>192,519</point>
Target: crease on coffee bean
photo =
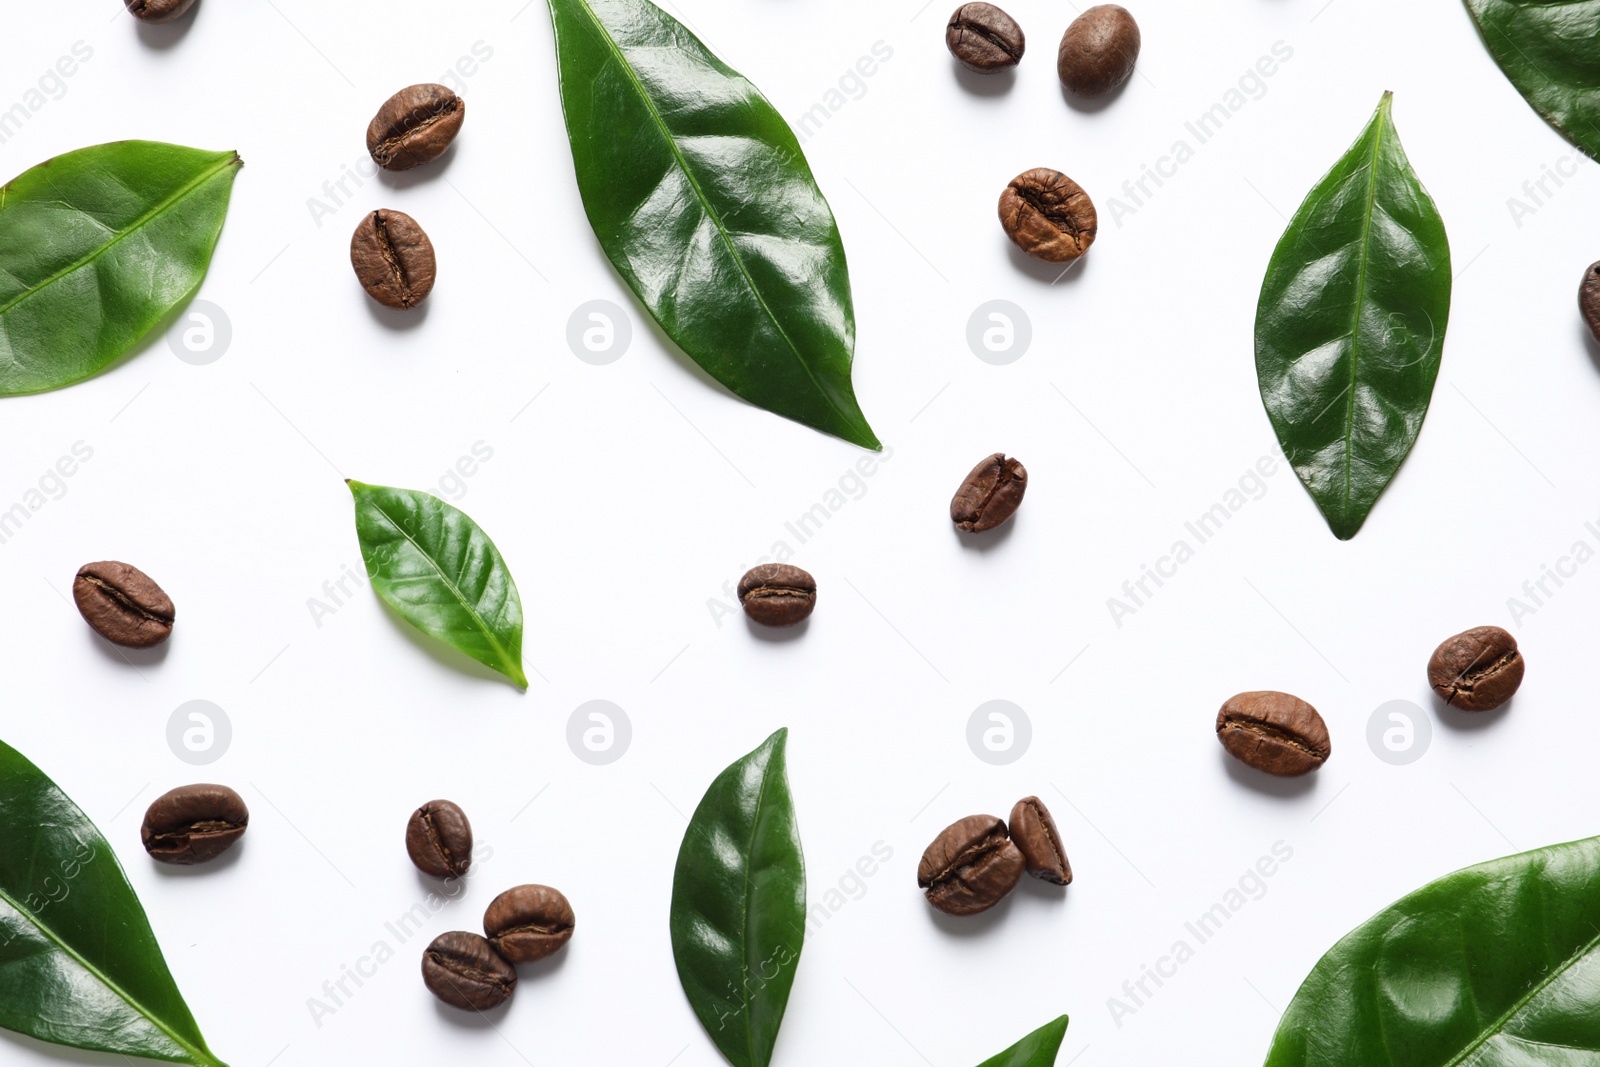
<point>772,592</point>
<point>392,257</point>
<point>436,839</point>
<point>1057,215</point>
<point>467,971</point>
<point>967,859</point>
<point>1272,733</point>
<point>965,25</point>
<point>385,150</point>
<point>551,929</point>
<point>122,598</point>
<point>1467,679</point>
<point>1056,848</point>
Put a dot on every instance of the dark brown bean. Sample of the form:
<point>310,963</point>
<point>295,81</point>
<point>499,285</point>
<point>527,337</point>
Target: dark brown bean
<point>1098,51</point>
<point>990,494</point>
<point>439,839</point>
<point>393,258</point>
<point>464,971</point>
<point>415,126</point>
<point>1274,732</point>
<point>529,922</point>
<point>1589,299</point>
<point>122,604</point>
<point>776,594</point>
<point>984,38</point>
<point>194,824</point>
<point>970,866</point>
<point>157,11</point>
<point>1034,831</point>
<point>1477,670</point>
<point>1048,215</point>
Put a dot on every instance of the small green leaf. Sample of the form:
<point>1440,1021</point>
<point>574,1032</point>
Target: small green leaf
<point>442,574</point>
<point>1038,1049</point>
<point>1350,327</point>
<point>739,905</point>
<point>96,247</point>
<point>79,964</point>
<point>1550,49</point>
<point>702,199</point>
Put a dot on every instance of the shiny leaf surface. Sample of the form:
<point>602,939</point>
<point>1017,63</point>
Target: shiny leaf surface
<point>1550,49</point>
<point>96,247</point>
<point>739,905</point>
<point>702,199</point>
<point>442,574</point>
<point>1038,1049</point>
<point>1351,323</point>
<point>1494,966</point>
<point>79,964</point>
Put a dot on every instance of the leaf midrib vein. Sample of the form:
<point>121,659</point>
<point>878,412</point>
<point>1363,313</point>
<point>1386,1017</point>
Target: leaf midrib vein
<point>1360,304</point>
<point>137,224</point>
<point>1498,1026</point>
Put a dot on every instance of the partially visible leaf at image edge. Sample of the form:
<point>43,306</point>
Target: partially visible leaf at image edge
<point>1350,325</point>
<point>1550,50</point>
<point>97,246</point>
<point>738,911</point>
<point>1497,965</point>
<point>1038,1049</point>
<point>441,573</point>
<point>703,201</point>
<point>79,965</point>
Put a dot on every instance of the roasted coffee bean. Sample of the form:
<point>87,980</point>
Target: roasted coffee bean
<point>1478,670</point>
<point>990,494</point>
<point>415,126</point>
<point>155,11</point>
<point>529,923</point>
<point>984,38</point>
<point>393,258</point>
<point>1589,299</point>
<point>971,866</point>
<point>465,972</point>
<point>1098,50</point>
<point>1274,732</point>
<point>439,839</point>
<point>776,594</point>
<point>1034,831</point>
<point>122,604</point>
<point>194,824</point>
<point>1048,215</point>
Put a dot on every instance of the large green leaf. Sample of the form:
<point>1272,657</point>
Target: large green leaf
<point>739,905</point>
<point>702,199</point>
<point>1550,49</point>
<point>1038,1049</point>
<point>439,570</point>
<point>1494,966</point>
<point>79,965</point>
<point>1351,325</point>
<point>96,247</point>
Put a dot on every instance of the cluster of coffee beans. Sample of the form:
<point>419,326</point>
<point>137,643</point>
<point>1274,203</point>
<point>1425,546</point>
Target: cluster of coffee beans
<point>123,604</point>
<point>1282,735</point>
<point>193,824</point>
<point>522,925</point>
<point>391,254</point>
<point>977,861</point>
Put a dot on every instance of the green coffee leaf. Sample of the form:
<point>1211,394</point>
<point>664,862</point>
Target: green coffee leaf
<point>1038,1049</point>
<point>1550,49</point>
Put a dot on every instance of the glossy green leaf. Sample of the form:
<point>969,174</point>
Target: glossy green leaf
<point>1494,966</point>
<point>1550,49</point>
<point>79,965</point>
<point>701,197</point>
<point>1351,325</point>
<point>96,247</point>
<point>1038,1049</point>
<point>739,905</point>
<point>441,573</point>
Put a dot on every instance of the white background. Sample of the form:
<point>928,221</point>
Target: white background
<point>625,496</point>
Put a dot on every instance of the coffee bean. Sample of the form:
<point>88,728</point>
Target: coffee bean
<point>1034,831</point>
<point>122,604</point>
<point>990,494</point>
<point>776,594</point>
<point>984,38</point>
<point>529,923</point>
<point>465,972</point>
<point>157,11</point>
<point>971,866</point>
<point>1589,299</point>
<point>439,839</point>
<point>194,824</point>
<point>1048,215</point>
<point>1274,732</point>
<point>1098,50</point>
<point>415,126</point>
<point>1478,670</point>
<point>393,258</point>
